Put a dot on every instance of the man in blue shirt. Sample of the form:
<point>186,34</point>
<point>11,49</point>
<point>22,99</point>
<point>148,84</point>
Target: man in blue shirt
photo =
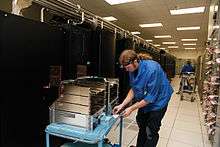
<point>151,90</point>
<point>187,68</point>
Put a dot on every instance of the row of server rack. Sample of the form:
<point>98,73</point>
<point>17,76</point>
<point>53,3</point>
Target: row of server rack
<point>35,57</point>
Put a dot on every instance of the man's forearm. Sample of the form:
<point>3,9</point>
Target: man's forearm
<point>138,105</point>
<point>129,97</point>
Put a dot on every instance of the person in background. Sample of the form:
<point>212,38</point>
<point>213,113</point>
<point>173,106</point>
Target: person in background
<point>151,91</point>
<point>185,69</point>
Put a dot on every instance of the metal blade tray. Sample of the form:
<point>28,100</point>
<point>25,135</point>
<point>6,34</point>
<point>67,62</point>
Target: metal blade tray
<point>83,100</point>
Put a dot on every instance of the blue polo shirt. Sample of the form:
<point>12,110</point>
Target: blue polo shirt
<point>151,84</point>
<point>187,68</point>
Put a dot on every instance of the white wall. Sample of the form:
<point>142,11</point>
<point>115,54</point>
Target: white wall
<point>186,54</point>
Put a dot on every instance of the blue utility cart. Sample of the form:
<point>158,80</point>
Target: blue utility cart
<point>82,112</point>
<point>85,138</point>
<point>188,85</point>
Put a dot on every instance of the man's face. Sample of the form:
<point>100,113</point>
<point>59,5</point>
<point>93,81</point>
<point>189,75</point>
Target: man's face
<point>130,67</point>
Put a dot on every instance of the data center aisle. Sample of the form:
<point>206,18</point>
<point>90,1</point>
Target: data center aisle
<point>182,125</point>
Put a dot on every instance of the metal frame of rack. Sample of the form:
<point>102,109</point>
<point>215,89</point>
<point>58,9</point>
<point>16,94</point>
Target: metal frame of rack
<point>210,91</point>
<point>217,133</point>
<point>74,10</point>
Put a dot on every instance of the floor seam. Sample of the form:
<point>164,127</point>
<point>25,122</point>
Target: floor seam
<point>172,128</point>
<point>173,125</point>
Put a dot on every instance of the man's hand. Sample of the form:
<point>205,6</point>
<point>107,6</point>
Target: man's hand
<point>117,109</point>
<point>127,112</point>
<point>135,106</point>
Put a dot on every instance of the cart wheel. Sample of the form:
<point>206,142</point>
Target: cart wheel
<point>181,97</point>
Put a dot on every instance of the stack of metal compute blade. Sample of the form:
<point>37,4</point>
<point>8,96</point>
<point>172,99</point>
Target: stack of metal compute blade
<point>83,100</point>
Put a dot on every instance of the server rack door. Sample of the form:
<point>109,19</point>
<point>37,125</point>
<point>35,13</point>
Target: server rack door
<point>122,44</point>
<point>107,54</point>
<point>27,50</point>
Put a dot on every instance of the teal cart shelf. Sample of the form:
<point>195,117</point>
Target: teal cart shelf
<point>81,136</point>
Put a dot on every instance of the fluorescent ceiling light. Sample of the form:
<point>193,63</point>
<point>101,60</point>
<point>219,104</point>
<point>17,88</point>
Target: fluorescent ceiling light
<point>209,38</point>
<point>156,45</point>
<point>216,27</point>
<point>216,8</point>
<point>115,2</point>
<point>149,40</point>
<point>190,48</point>
<point>135,33</point>
<point>187,11</point>
<point>162,48</point>
<point>215,39</point>
<point>151,25</point>
<point>189,39</point>
<point>169,42</point>
<point>163,36</point>
<point>189,44</point>
<point>188,28</point>
<point>110,18</point>
<point>173,46</point>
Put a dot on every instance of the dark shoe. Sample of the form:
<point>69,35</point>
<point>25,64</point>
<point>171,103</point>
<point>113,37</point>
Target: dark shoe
<point>178,92</point>
<point>132,146</point>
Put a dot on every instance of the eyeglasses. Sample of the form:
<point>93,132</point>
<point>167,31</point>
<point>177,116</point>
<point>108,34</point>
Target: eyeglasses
<point>126,63</point>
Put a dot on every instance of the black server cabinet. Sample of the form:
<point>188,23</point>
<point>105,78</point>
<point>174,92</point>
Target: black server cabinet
<point>89,50</point>
<point>107,53</point>
<point>121,45</point>
<point>27,50</point>
<point>79,52</point>
<point>163,60</point>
